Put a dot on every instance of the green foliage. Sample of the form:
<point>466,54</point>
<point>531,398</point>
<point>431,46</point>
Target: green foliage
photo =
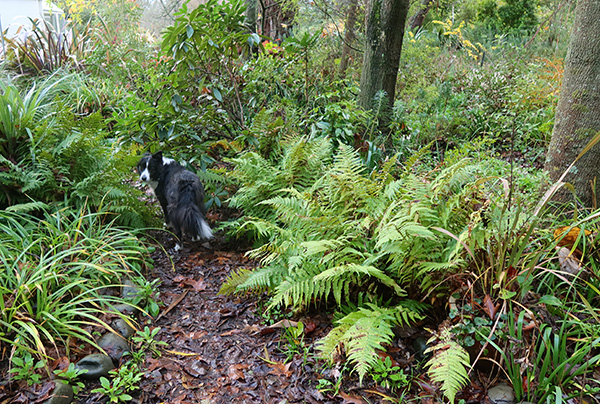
<point>43,50</point>
<point>125,380</point>
<point>301,164</point>
<point>388,376</point>
<point>71,375</point>
<point>200,43</point>
<point>24,367</point>
<point>146,341</point>
<point>448,364</point>
<point>146,296</point>
<point>363,332</point>
<point>49,155</point>
<point>53,271</point>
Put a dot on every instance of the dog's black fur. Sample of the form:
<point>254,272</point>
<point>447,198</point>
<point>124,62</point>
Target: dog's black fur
<point>180,193</point>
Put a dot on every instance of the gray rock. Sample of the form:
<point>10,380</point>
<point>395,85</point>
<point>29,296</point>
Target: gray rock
<point>123,327</point>
<point>126,309</point>
<point>501,394</point>
<point>114,345</point>
<point>97,365</point>
<point>62,393</point>
<point>129,290</point>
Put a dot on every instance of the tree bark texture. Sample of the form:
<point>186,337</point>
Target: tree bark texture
<point>349,36</point>
<point>577,117</point>
<point>251,14</point>
<point>385,30</point>
<point>277,18</point>
<point>417,20</point>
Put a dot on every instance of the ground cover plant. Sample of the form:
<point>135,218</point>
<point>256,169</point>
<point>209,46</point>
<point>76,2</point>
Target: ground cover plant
<point>57,270</point>
<point>430,242</point>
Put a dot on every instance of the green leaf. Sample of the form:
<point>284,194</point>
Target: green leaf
<point>189,30</point>
<point>217,94</point>
<point>550,300</point>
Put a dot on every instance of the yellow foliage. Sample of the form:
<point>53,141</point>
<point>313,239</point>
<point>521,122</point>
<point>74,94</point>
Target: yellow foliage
<point>474,50</point>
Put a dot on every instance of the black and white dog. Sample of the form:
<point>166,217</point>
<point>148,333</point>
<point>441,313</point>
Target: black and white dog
<point>180,194</point>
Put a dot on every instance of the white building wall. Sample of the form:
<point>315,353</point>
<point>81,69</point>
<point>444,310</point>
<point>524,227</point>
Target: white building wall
<point>15,13</point>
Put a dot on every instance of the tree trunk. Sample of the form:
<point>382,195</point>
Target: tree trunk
<point>419,17</point>
<point>385,29</point>
<point>578,112</point>
<point>251,14</point>
<point>348,37</point>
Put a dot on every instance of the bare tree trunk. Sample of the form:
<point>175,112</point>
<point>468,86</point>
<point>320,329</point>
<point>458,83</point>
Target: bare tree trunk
<point>385,29</point>
<point>419,17</point>
<point>578,112</point>
<point>349,37</point>
<point>277,18</point>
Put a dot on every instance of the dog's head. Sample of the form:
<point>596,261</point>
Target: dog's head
<point>149,168</point>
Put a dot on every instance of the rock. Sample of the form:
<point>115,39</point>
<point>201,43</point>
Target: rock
<point>420,345</point>
<point>62,393</point>
<point>126,309</point>
<point>129,290</point>
<point>97,365</point>
<point>114,345</point>
<point>123,327</point>
<point>501,394</point>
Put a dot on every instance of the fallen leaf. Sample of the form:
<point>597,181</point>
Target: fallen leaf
<point>235,372</point>
<point>568,262</point>
<point>489,308</point>
<point>567,235</point>
<point>349,399</point>
<point>280,324</point>
<point>280,369</point>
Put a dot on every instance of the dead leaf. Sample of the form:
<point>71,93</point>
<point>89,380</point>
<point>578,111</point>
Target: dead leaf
<point>350,399</point>
<point>280,324</point>
<point>280,369</point>
<point>568,262</point>
<point>489,308</point>
<point>567,235</point>
<point>175,303</point>
<point>235,372</point>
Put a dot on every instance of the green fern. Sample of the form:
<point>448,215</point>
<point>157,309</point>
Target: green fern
<point>449,364</point>
<point>364,332</point>
<point>234,279</point>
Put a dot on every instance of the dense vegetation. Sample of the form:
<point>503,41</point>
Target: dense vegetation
<point>439,218</point>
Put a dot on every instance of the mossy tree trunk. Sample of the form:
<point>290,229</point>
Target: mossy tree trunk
<point>251,14</point>
<point>348,37</point>
<point>578,112</point>
<point>385,29</point>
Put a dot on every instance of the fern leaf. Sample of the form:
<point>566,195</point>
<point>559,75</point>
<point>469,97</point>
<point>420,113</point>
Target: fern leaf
<point>448,365</point>
<point>234,279</point>
<point>369,330</point>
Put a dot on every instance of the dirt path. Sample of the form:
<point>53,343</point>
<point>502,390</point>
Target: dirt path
<point>219,350</point>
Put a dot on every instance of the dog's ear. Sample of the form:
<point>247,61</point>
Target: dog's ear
<point>158,155</point>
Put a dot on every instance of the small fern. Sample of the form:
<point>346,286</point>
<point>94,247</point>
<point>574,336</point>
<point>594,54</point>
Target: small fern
<point>449,364</point>
<point>362,333</point>
<point>234,279</point>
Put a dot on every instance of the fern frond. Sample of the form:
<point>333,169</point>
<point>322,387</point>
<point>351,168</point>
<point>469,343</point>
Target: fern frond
<point>234,279</point>
<point>260,279</point>
<point>368,331</point>
<point>355,272</point>
<point>449,364</point>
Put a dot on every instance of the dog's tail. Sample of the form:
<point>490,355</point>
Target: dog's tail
<point>188,216</point>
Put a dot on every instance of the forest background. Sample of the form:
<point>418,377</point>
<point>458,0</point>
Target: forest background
<point>425,205</point>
